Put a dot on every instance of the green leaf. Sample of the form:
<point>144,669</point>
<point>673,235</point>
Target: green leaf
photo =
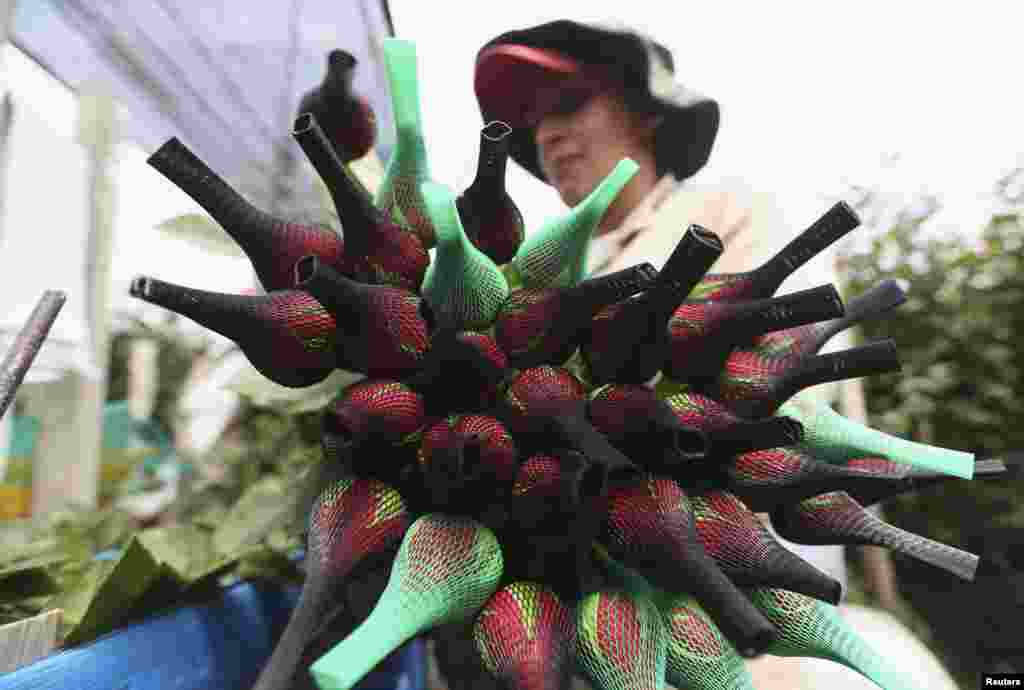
<point>102,596</point>
<point>186,549</point>
<point>26,607</point>
<point>41,559</point>
<point>208,577</point>
<point>260,509</point>
<point>283,541</point>
<point>31,576</point>
<point>33,581</point>
<point>165,591</point>
<point>201,232</point>
<point>90,530</point>
<point>262,392</point>
<point>266,563</point>
<point>210,516</point>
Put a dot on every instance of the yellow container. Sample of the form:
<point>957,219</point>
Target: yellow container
<point>16,489</point>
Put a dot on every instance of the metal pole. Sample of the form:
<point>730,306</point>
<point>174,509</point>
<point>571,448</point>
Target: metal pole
<point>27,344</point>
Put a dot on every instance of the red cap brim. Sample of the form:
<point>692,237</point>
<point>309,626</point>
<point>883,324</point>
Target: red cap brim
<point>509,77</point>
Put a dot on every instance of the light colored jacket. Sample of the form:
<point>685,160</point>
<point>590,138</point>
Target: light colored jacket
<point>739,217</point>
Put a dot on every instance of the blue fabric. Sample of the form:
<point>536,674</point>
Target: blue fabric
<point>217,646</point>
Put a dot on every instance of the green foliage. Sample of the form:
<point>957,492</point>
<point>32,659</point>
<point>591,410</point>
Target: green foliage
<point>261,392</point>
<point>247,528</point>
<point>202,232</point>
<point>240,514</point>
<point>960,386</point>
<point>104,592</point>
<point>174,360</point>
<point>957,334</point>
<point>244,522</point>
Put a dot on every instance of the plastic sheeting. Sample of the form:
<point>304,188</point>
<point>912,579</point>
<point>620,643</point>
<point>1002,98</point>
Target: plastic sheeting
<point>221,645</point>
<point>224,76</point>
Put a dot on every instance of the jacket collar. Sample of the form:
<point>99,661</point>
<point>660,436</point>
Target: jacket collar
<point>604,248</point>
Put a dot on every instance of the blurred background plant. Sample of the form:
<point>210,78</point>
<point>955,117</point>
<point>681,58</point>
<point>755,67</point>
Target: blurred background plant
<point>235,515</point>
<point>959,335</point>
<point>231,509</point>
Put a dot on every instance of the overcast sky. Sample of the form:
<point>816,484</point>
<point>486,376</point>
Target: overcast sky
<point>811,95</point>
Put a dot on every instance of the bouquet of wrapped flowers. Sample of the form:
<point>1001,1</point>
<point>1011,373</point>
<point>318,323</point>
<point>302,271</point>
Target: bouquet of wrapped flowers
<point>506,455</point>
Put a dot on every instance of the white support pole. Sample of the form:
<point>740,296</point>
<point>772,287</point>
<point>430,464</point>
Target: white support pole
<point>97,133</point>
<point>69,452</point>
<point>6,117</point>
<point>143,377</point>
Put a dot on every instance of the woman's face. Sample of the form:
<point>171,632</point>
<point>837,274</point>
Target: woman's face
<point>581,139</point>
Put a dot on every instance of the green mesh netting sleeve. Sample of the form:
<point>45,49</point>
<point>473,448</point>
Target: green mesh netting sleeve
<point>461,280</point>
<point>556,254</point>
<point>399,192</point>
<point>620,641</point>
<point>830,437</point>
<point>447,567</point>
<point>812,628</point>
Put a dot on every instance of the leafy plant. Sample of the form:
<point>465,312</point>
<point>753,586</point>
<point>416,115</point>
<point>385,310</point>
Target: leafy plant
<point>240,516</point>
<point>960,387</point>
